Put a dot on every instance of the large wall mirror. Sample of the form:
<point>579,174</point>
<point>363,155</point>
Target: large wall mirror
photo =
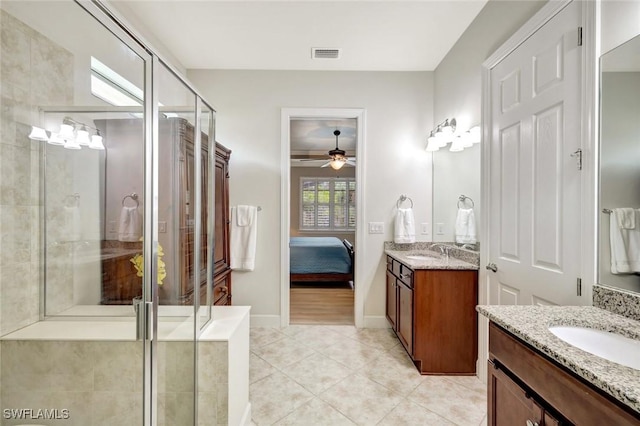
<point>619,203</point>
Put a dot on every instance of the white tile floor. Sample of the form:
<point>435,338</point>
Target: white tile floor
<point>311,375</point>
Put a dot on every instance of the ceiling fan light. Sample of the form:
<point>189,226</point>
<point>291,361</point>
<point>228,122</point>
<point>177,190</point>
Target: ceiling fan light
<point>336,164</point>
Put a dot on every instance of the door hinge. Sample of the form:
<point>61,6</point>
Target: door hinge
<point>579,36</point>
<point>578,155</point>
<point>579,286</point>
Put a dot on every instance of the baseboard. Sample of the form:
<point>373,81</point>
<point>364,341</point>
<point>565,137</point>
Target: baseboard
<point>376,322</point>
<point>265,321</point>
<point>246,417</point>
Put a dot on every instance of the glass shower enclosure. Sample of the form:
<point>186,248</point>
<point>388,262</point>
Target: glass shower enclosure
<point>105,196</point>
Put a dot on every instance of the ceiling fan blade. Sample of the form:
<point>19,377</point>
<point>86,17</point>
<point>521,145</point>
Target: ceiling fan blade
<point>351,163</point>
<point>326,164</point>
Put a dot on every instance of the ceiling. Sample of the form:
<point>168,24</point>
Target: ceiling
<point>400,35</point>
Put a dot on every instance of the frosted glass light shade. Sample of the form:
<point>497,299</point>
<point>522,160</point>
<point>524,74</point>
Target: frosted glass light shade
<point>456,146</point>
<point>465,139</point>
<point>38,134</point>
<point>337,164</point>
<point>96,142</point>
<point>476,135</point>
<point>55,139</point>
<point>433,145</point>
<point>82,137</point>
<point>66,131</point>
<point>72,144</point>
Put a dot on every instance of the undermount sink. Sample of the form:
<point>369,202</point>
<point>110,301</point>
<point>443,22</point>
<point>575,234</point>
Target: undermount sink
<point>610,346</point>
<point>420,257</point>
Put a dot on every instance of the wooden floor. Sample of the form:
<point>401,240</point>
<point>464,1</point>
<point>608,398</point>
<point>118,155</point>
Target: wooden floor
<point>321,304</point>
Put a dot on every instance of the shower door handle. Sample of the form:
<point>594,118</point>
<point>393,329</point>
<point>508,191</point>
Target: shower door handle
<point>143,320</point>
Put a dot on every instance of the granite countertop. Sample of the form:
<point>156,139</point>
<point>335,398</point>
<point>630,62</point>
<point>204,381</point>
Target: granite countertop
<point>530,323</point>
<point>436,261</point>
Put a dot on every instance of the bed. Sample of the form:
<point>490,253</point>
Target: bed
<point>320,259</point>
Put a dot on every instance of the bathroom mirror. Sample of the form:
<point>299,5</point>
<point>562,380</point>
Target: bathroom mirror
<point>619,165</point>
<point>455,174</point>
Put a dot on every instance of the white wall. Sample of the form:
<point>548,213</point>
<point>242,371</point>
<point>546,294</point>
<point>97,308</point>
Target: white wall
<point>620,22</point>
<point>398,113</point>
<point>458,90</point>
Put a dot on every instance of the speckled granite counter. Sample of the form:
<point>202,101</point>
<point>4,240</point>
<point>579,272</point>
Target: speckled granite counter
<point>458,258</point>
<point>531,323</point>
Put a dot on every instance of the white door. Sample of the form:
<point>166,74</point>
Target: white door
<point>534,193</point>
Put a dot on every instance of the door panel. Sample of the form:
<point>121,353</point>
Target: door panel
<point>534,182</point>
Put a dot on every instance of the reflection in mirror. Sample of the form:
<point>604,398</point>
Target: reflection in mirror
<point>619,204</point>
<point>455,174</point>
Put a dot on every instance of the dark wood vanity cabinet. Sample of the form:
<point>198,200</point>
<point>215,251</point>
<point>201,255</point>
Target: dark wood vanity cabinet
<point>433,314</point>
<point>527,388</point>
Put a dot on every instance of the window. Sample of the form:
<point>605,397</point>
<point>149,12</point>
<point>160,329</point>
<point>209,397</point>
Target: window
<point>327,204</point>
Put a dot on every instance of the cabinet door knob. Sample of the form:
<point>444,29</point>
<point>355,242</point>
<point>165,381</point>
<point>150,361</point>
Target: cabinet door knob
<point>492,267</point>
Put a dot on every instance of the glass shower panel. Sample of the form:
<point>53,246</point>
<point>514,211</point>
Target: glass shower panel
<point>207,154</point>
<point>72,213</point>
<point>177,212</point>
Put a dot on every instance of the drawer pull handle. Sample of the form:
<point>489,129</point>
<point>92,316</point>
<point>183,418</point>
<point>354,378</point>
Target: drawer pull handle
<point>224,289</point>
<point>403,276</point>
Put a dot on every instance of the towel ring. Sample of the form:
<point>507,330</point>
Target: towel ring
<point>402,199</point>
<point>133,196</point>
<point>462,199</point>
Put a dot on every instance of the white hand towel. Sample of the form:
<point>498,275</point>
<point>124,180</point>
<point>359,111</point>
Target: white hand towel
<point>130,226</point>
<point>405,229</point>
<point>626,217</point>
<point>73,228</point>
<point>243,238</point>
<point>465,227</point>
<point>244,215</point>
<point>625,245</point>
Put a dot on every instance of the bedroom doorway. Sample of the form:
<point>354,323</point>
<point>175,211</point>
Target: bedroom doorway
<point>321,202</point>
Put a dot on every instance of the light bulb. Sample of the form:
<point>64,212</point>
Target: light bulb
<point>38,134</point>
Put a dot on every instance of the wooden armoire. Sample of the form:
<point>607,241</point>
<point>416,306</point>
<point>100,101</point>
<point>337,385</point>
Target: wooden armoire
<point>221,256</point>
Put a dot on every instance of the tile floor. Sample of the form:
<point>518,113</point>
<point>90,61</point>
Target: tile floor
<point>311,375</point>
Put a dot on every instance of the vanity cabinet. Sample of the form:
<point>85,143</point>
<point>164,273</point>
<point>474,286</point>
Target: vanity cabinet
<point>432,311</point>
<point>527,388</point>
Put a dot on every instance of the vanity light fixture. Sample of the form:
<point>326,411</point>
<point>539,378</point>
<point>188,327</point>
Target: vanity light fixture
<point>72,135</point>
<point>433,144</point>
<point>447,132</point>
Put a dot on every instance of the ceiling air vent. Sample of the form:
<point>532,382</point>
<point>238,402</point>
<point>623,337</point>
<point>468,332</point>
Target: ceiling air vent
<point>325,53</point>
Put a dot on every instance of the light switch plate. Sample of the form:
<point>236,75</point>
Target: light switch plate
<point>424,227</point>
<point>376,227</point>
<point>162,226</point>
<point>440,228</point>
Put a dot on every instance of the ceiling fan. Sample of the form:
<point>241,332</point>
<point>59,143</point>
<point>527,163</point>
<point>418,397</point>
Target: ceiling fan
<point>338,157</point>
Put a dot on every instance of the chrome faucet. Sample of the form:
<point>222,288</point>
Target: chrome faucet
<point>444,250</point>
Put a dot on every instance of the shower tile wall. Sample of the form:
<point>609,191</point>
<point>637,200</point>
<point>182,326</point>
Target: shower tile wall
<point>34,72</point>
<point>101,384</point>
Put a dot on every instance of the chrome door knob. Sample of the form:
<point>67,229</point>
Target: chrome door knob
<point>492,267</point>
